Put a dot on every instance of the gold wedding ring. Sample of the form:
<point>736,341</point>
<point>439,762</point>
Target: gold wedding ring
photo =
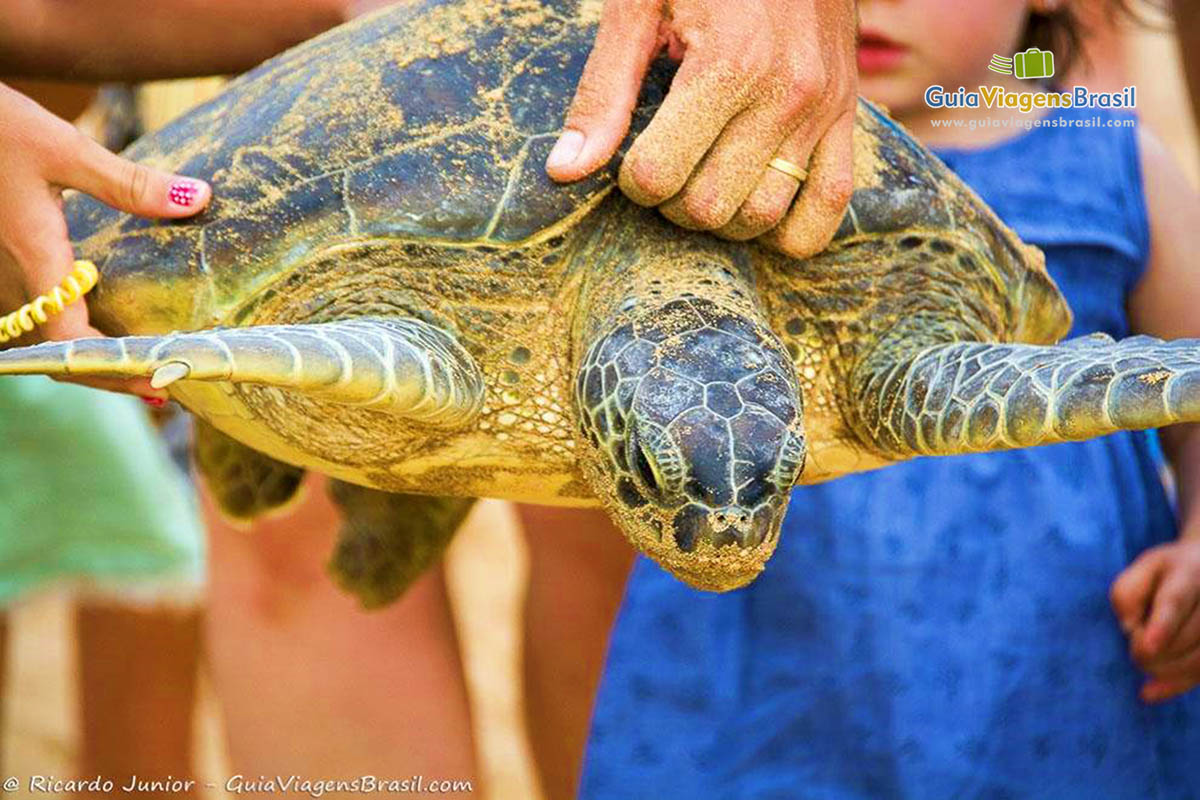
<point>788,168</point>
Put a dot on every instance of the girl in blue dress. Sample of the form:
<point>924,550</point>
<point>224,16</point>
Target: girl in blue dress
<point>943,628</point>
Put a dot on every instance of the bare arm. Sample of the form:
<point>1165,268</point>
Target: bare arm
<point>1157,599</point>
<point>1187,28</point>
<point>1165,302</point>
<point>135,39</point>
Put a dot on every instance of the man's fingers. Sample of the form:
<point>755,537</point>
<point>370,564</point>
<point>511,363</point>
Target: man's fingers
<point>728,173</point>
<point>608,90</point>
<point>703,98</point>
<point>1186,638</point>
<point>771,199</point>
<point>1133,589</point>
<point>814,218</point>
<point>128,186</point>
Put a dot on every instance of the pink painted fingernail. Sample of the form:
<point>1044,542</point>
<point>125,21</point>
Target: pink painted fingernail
<point>184,192</point>
<point>154,402</point>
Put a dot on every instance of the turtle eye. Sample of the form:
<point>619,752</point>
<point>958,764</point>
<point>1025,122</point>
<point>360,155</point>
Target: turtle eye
<point>655,460</point>
<point>644,466</point>
<point>790,464</point>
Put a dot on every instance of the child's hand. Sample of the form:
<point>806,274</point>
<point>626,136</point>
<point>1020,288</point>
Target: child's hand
<point>1157,601</point>
<point>40,155</point>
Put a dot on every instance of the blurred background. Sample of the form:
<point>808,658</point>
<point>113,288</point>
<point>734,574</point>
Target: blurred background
<point>486,570</point>
<point>44,726</point>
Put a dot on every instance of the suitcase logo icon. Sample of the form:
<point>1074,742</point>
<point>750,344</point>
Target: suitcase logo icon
<point>1033,64</point>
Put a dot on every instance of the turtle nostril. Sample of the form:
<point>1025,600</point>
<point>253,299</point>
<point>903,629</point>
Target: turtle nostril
<point>730,518</point>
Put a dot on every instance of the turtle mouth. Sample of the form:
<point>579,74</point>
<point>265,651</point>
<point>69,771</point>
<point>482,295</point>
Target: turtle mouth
<point>713,567</point>
<point>714,550</point>
<point>729,526</point>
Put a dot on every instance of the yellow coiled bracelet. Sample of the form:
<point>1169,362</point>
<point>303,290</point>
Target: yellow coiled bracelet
<point>83,277</point>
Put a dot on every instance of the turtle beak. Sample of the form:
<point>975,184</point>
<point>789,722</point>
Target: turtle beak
<point>728,526</point>
<point>723,549</point>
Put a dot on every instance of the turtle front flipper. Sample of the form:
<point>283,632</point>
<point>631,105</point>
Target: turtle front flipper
<point>388,540</point>
<point>970,397</point>
<point>403,366</point>
<point>244,482</point>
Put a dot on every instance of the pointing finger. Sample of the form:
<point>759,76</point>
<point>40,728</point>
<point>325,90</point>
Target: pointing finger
<point>131,187</point>
<point>607,93</point>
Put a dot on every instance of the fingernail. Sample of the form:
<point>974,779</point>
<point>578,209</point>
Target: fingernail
<point>566,149</point>
<point>154,402</point>
<point>184,192</point>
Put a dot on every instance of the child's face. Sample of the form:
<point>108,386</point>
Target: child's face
<point>908,45</point>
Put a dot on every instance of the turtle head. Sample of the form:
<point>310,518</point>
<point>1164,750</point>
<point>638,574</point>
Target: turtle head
<point>692,422</point>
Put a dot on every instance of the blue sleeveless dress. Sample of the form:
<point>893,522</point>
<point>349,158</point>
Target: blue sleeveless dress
<point>941,628</point>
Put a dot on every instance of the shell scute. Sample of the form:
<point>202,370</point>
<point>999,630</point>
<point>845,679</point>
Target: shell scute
<point>444,91</point>
<point>537,95</point>
<point>534,201</point>
<point>257,242</point>
<point>902,186</point>
<point>447,191</point>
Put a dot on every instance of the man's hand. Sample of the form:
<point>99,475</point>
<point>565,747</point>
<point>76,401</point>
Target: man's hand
<point>1157,601</point>
<point>40,155</point>
<point>759,80</point>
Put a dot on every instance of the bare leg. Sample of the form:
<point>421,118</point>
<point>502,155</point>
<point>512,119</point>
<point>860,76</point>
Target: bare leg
<point>313,685</point>
<point>578,563</point>
<point>137,669</point>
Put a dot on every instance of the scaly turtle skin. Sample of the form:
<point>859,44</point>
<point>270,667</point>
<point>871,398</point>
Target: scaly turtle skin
<point>403,300</point>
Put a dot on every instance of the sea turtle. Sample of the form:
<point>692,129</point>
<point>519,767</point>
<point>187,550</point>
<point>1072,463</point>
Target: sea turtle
<point>389,290</point>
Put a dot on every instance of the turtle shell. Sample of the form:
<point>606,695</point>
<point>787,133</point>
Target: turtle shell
<point>429,120</point>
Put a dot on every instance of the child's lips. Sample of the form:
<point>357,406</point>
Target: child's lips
<point>877,53</point>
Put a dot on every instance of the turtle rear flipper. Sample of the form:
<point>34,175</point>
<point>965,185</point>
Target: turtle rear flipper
<point>244,482</point>
<point>403,366</point>
<point>970,396</point>
<point>388,540</point>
